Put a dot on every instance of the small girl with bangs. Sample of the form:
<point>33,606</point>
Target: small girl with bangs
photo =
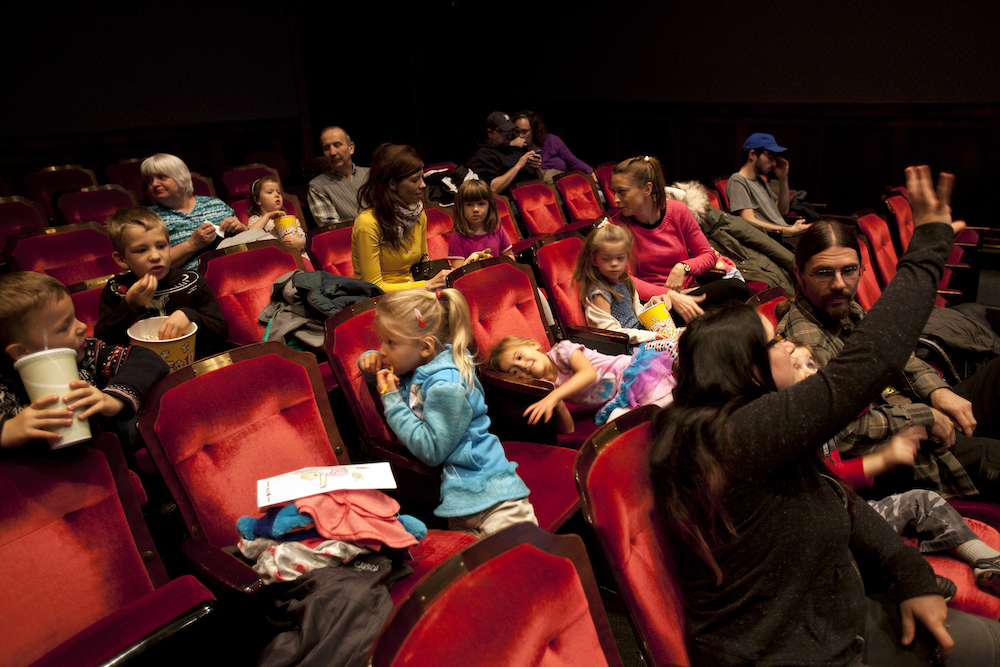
<point>266,203</point>
<point>435,405</point>
<point>607,291</point>
<point>478,234</point>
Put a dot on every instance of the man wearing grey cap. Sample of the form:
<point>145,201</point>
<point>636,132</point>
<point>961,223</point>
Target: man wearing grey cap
<point>501,159</point>
<point>748,193</point>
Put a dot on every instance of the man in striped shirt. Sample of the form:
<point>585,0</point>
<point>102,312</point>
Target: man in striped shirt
<point>333,194</point>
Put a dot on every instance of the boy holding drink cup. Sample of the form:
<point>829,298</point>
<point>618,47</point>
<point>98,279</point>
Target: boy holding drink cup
<point>37,314</point>
<point>150,288</point>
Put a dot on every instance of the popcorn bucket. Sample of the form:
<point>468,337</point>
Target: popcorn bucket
<point>284,226</point>
<point>657,318</point>
<point>177,352</point>
<point>49,372</point>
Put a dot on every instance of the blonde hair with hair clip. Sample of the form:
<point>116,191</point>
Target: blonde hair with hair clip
<point>445,316</point>
<point>644,169</point>
<point>586,274</point>
<point>474,190</point>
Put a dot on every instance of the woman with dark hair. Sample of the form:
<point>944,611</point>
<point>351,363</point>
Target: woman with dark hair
<point>556,156</point>
<point>390,233</point>
<point>670,249</point>
<point>765,539</point>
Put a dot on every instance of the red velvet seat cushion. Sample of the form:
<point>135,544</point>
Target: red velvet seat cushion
<point>556,261</point>
<point>524,607</point>
<point>539,208</point>
<point>62,529</point>
<point>436,548</point>
<point>439,230</point>
<point>634,544</point>
<point>126,626</point>
<point>970,598</point>
<point>548,473</point>
<point>579,197</point>
<point>239,181</point>
<point>70,257</point>
<point>242,285</point>
<point>93,205</point>
<point>331,251</point>
<point>501,302</point>
<point>87,304</point>
<point>221,436</point>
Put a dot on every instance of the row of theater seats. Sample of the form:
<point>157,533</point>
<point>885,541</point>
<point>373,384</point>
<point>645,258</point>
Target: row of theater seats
<point>290,406</point>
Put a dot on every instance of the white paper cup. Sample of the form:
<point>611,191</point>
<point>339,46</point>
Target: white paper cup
<point>177,352</point>
<point>49,372</point>
<point>657,318</point>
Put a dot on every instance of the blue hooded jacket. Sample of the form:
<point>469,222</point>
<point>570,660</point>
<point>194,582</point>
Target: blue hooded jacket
<point>441,422</point>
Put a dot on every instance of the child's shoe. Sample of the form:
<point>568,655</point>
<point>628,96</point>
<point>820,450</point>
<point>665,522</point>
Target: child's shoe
<point>987,572</point>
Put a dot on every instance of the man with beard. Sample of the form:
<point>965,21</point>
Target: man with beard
<point>748,193</point>
<point>333,195</point>
<point>501,158</point>
<point>823,314</point>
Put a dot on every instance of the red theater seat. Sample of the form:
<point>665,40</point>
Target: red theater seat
<point>70,254</point>
<point>329,247</point>
<point>539,208</point>
<point>536,593</point>
<point>94,204</point>
<point>238,180</point>
<point>579,193</point>
<point>618,504</point>
<point>88,599</point>
<point>19,215</point>
<point>43,184</point>
<point>86,298</point>
<point>440,227</point>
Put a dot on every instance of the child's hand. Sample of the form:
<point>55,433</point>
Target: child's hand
<point>35,421</point>
<point>902,448</point>
<point>274,215</point>
<point>542,410</point>
<point>371,363</point>
<point>141,293</point>
<point>662,335</point>
<point>661,298</point>
<point>477,256</point>
<point>293,242</point>
<point>91,399</point>
<point>386,381</point>
<point>174,326</point>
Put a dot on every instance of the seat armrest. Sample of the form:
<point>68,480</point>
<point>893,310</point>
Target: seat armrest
<point>602,340</point>
<point>507,398</point>
<point>220,570</point>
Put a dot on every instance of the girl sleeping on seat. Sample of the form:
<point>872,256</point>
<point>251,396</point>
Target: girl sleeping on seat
<point>435,405</point>
<point>615,384</point>
<point>607,291</point>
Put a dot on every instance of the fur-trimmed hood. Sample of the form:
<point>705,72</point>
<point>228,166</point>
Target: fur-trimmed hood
<point>693,194</point>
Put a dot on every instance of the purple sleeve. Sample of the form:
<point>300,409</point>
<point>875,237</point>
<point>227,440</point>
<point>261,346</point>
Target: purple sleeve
<point>455,249</point>
<point>560,148</point>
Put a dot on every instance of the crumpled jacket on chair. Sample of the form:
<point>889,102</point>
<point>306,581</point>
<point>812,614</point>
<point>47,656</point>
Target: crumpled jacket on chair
<point>301,301</point>
<point>756,255</point>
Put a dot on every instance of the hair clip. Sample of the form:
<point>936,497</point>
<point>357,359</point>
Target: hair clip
<point>603,223</point>
<point>420,318</point>
<point>645,159</point>
<point>437,293</point>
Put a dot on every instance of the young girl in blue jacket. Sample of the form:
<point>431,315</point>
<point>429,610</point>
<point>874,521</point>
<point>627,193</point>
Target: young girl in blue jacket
<point>435,405</point>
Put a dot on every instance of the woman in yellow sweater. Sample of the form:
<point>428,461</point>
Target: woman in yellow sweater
<point>390,233</point>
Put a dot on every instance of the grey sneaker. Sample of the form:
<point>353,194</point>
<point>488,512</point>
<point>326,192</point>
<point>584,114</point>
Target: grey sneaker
<point>987,572</point>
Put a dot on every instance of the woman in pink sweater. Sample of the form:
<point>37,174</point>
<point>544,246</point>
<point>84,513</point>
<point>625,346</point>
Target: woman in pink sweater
<point>670,249</point>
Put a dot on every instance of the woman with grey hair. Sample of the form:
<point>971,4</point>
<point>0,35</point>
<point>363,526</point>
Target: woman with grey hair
<point>193,222</point>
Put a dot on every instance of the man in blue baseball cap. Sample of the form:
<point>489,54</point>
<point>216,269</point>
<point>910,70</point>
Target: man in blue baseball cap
<point>748,193</point>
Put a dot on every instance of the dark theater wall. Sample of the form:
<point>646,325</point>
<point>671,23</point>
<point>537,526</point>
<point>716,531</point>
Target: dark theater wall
<point>856,89</point>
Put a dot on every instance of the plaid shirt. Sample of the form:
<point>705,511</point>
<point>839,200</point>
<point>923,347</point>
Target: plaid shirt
<point>893,411</point>
<point>333,198</point>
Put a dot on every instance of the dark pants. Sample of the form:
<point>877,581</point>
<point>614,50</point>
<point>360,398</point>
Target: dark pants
<point>717,293</point>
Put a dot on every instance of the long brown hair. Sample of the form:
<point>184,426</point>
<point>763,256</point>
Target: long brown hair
<point>390,163</point>
<point>644,169</point>
<point>586,274</point>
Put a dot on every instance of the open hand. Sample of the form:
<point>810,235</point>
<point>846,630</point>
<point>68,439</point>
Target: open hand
<point>932,613</point>
<point>687,306</point>
<point>797,227</point>
<point>174,326</point>
<point>931,204</point>
<point>542,410</point>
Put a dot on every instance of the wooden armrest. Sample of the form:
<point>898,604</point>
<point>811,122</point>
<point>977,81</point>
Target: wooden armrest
<point>221,571</point>
<point>507,397</point>
<point>602,340</point>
